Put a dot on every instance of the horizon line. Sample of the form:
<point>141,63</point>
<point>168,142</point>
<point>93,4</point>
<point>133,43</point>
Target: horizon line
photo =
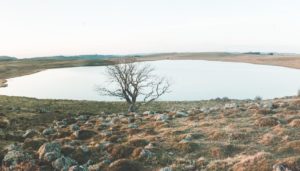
<point>157,53</point>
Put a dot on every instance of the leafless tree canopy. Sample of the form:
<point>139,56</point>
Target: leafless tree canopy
<point>134,80</point>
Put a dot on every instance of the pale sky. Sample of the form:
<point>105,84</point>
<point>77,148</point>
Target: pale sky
<point>31,28</point>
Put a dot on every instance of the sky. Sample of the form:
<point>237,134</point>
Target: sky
<point>35,28</point>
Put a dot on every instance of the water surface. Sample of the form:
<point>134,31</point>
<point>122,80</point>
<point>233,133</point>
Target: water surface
<point>191,80</point>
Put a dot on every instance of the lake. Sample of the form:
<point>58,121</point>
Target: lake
<point>190,79</point>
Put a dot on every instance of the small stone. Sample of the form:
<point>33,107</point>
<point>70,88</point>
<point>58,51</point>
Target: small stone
<point>161,117</point>
<point>84,148</point>
<point>61,124</point>
<point>150,146</point>
<point>49,151</point>
<point>280,167</point>
<point>132,125</point>
<point>13,146</point>
<point>230,106</point>
<point>78,168</point>
<point>63,163</point>
<point>34,143</point>
<point>149,113</point>
<point>48,131</point>
<point>201,161</point>
<point>84,134</point>
<point>30,133</point>
<point>74,127</point>
<point>181,114</point>
<point>82,118</point>
<point>125,164</point>
<point>130,119</point>
<point>145,154</point>
<point>188,138</point>
<point>166,169</point>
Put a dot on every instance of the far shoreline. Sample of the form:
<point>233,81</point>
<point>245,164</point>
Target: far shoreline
<point>271,60</point>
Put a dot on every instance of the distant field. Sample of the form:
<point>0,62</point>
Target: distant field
<point>285,60</point>
<point>15,68</point>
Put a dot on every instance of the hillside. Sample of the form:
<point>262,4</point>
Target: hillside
<point>77,57</point>
<point>7,58</point>
<point>211,135</point>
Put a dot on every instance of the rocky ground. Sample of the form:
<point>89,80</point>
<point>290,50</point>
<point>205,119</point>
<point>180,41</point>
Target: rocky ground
<point>236,135</point>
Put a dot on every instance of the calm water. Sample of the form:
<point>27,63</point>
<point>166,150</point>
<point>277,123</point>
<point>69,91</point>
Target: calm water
<point>191,80</point>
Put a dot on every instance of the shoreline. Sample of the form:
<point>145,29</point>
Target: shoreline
<point>3,83</point>
<point>292,62</point>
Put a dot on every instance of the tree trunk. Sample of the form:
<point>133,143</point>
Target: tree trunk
<point>132,108</point>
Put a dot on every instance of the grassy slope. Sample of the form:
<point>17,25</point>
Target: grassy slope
<point>9,69</point>
<point>249,136</point>
<point>25,113</point>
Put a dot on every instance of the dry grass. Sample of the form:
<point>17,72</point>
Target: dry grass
<point>237,139</point>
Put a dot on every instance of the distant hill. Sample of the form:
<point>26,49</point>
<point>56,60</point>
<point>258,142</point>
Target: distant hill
<point>7,58</point>
<point>77,57</point>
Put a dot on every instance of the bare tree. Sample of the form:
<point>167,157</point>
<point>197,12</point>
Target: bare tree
<point>134,81</point>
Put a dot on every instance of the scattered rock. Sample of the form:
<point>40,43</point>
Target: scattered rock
<point>48,131</point>
<point>120,151</point>
<point>78,168</point>
<point>181,114</point>
<point>166,169</point>
<point>149,113</point>
<point>125,164</point>
<point>174,138</point>
<point>287,164</point>
<point>49,151</point>
<point>161,117</point>
<point>34,143</point>
<point>14,157</point>
<point>80,154</point>
<point>74,127</point>
<point>63,163</point>
<point>138,142</point>
<point>61,124</point>
<point>132,126</point>
<point>82,118</point>
<point>31,133</point>
<point>230,105</point>
<point>84,134</point>
<point>145,154</point>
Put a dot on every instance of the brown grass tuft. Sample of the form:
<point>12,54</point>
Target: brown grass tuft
<point>260,161</point>
<point>266,121</point>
